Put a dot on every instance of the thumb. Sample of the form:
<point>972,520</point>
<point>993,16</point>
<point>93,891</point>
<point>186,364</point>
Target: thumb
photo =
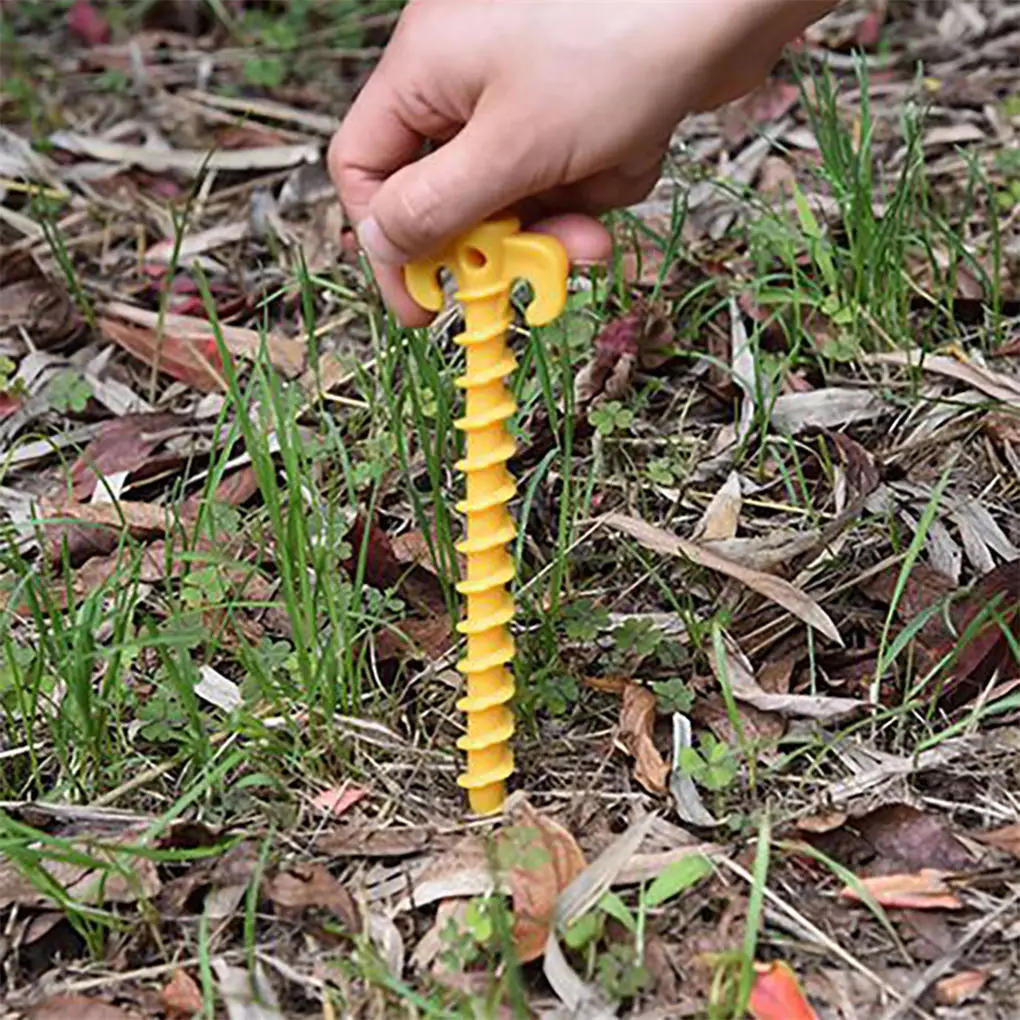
<point>476,174</point>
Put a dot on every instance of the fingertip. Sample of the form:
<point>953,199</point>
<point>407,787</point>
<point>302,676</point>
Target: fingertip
<point>585,238</point>
<point>397,299</point>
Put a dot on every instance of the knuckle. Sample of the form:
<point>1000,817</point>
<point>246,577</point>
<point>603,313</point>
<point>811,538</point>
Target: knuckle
<point>336,156</point>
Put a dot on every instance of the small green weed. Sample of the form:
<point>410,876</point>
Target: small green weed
<point>611,417</point>
<point>618,963</point>
<point>714,765</point>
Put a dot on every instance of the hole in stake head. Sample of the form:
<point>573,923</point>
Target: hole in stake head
<point>473,258</point>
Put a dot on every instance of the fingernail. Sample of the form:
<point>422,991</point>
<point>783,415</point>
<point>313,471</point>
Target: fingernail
<point>378,245</point>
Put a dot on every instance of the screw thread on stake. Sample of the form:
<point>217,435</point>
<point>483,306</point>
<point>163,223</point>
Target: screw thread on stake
<point>485,263</point>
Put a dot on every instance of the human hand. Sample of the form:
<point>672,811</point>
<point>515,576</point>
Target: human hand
<point>556,110</point>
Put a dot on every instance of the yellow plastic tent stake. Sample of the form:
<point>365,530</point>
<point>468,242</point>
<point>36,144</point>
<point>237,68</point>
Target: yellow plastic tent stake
<point>485,263</point>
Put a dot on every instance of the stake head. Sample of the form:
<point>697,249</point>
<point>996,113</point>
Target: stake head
<point>492,254</point>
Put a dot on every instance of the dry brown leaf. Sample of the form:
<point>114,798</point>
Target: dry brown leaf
<point>768,102</point>
<point>896,837</point>
<point>196,363</point>
<point>1007,838</point>
<point>312,886</point>
<point>535,885</point>
<point>429,638</point>
<point>722,515</point>
<point>637,722</point>
<point>192,162</point>
<point>75,1007</point>
<point>464,869</point>
<point>825,408</point>
<point>739,676</point>
<point>541,858</point>
<point>234,489</point>
<point>777,994</point>
<point>909,838</point>
<point>989,619</point>
<point>777,178</point>
<point>121,444</point>
<point>84,884</point>
<point>15,888</point>
<point>365,841</point>
<point>338,799</point>
<point>31,301</point>
<point>247,995</point>
<point>182,997</point>
<point>926,890</point>
<point>607,684</point>
<point>227,879</point>
<point>823,821</point>
<point>790,597</point>
<point>412,548</point>
<point>961,987</point>
<point>94,529</point>
<point>762,729</point>
<point>924,589</point>
<point>998,385</point>
<point>284,354</point>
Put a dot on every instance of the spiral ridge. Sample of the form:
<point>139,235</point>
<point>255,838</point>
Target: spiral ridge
<point>484,263</point>
<point>489,528</point>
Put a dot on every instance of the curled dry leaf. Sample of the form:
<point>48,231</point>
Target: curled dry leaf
<point>739,676</point>
<point>777,995</point>
<point>181,996</point>
<point>780,591</point>
<point>546,860</point>
<point>926,890</point>
<point>722,515</point>
<point>685,794</point>
<point>312,886</point>
<point>536,859</point>
<point>961,987</point>
<point>637,723</point>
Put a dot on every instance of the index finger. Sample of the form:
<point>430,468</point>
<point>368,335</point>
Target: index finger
<point>378,136</point>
